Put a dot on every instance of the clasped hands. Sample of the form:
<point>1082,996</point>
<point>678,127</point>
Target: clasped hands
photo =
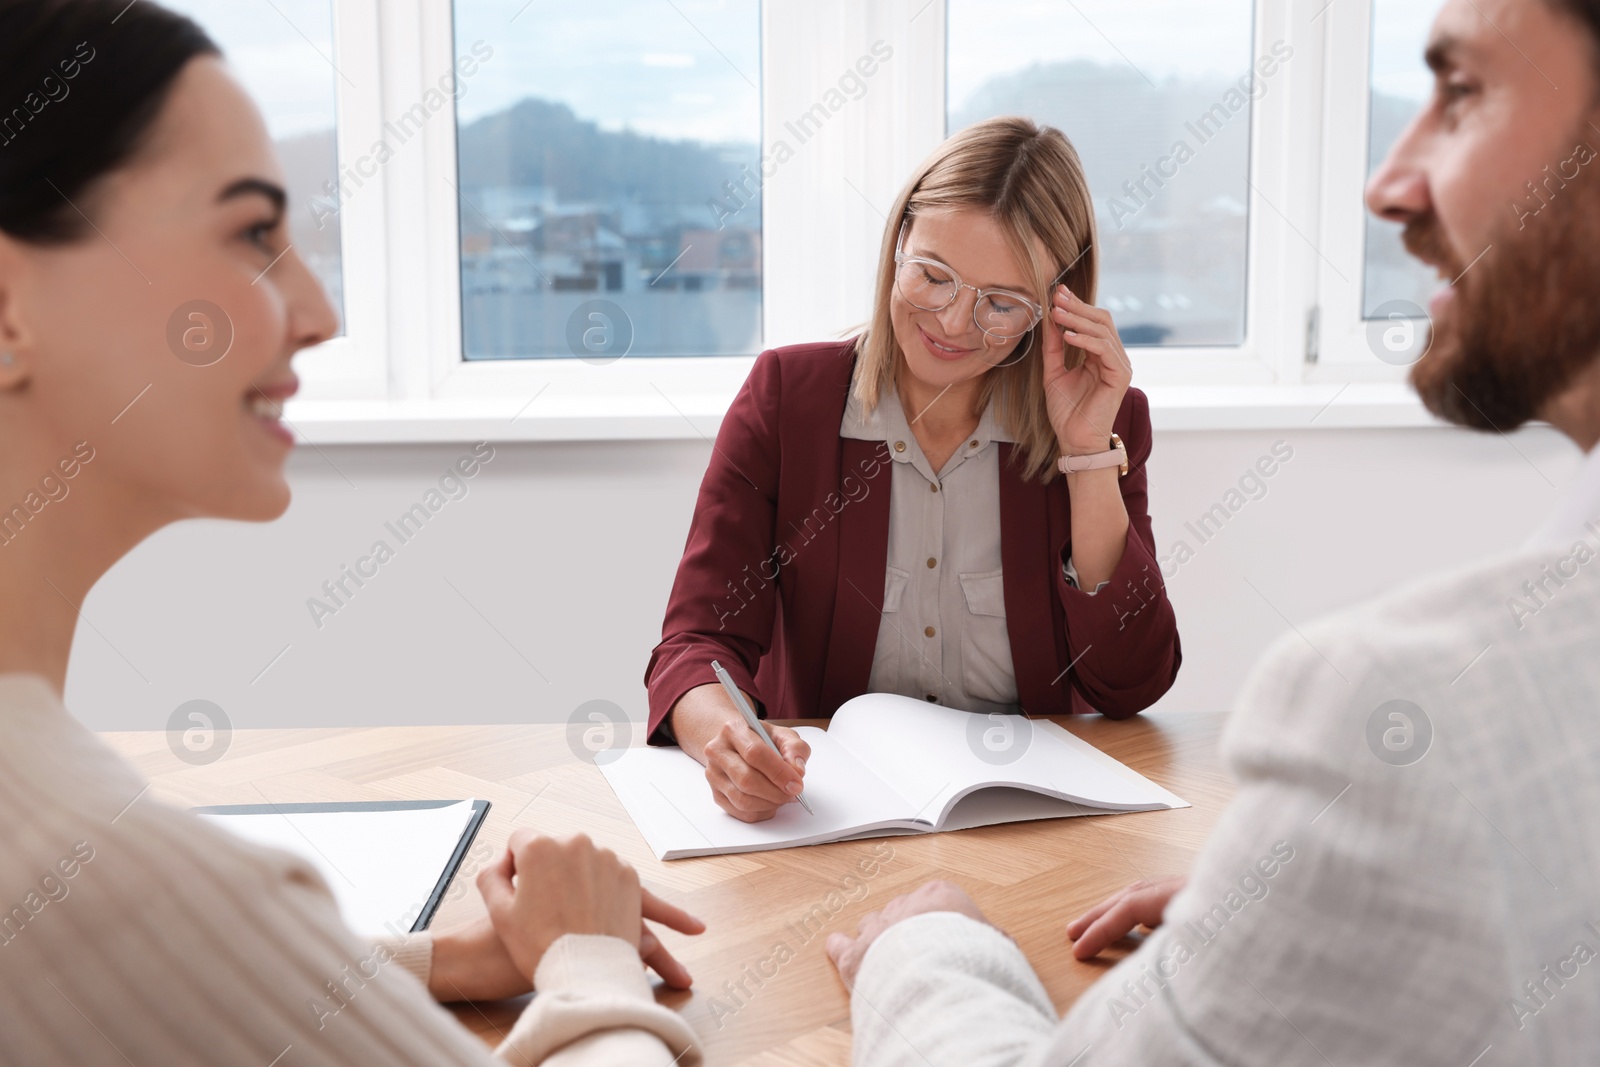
<point>541,889</point>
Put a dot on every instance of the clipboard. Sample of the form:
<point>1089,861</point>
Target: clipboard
<point>298,842</point>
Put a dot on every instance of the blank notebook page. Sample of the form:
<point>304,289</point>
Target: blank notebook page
<point>381,865</point>
<point>934,753</point>
<point>666,793</point>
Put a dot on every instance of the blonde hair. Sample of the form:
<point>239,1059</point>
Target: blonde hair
<point>1028,177</point>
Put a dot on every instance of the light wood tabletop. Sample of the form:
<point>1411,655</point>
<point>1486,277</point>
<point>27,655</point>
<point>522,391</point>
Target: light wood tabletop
<point>764,991</point>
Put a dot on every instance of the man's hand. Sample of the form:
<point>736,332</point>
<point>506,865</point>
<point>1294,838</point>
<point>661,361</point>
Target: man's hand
<point>1141,904</point>
<point>544,888</point>
<point>847,952</point>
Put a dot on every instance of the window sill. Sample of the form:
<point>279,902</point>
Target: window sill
<point>546,418</point>
<point>1361,405</point>
<point>1325,406</point>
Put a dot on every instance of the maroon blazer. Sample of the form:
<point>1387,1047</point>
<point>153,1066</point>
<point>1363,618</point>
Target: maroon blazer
<point>782,579</point>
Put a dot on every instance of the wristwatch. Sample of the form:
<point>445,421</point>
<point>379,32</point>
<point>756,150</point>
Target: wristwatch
<point>1115,456</point>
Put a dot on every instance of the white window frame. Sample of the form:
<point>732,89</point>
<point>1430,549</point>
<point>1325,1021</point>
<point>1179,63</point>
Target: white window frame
<point>398,374</point>
<point>354,366</point>
<point>1343,351</point>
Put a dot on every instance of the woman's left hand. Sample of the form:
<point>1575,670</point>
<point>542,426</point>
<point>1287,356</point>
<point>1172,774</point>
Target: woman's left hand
<point>1083,402</point>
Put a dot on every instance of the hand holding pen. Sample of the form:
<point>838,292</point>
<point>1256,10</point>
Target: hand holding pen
<point>753,771</point>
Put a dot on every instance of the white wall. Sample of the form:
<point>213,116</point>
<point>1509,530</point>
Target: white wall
<point>543,588</point>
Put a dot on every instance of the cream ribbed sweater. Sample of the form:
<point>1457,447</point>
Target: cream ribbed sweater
<point>131,932</point>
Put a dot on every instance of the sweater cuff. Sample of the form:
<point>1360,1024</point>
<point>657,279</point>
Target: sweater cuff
<point>592,965</point>
<point>907,949</point>
<point>958,985</point>
<point>595,1004</point>
<point>414,953</point>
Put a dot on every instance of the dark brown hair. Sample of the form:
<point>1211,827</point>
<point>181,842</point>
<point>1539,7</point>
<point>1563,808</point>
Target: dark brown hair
<point>81,81</point>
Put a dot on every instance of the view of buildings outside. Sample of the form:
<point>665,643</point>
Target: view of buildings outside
<point>609,180</point>
<point>609,156</point>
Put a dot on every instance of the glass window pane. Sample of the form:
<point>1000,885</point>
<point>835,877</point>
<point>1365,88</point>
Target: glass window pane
<point>1149,94</point>
<point>1401,84</point>
<point>283,53</point>
<point>610,199</point>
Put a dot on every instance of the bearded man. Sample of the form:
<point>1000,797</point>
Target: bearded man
<point>1409,872</point>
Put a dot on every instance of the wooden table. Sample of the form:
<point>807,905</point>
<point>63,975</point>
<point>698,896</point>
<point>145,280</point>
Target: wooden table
<point>748,1007</point>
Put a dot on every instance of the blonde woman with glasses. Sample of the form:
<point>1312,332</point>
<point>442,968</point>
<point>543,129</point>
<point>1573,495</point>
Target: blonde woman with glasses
<point>950,505</point>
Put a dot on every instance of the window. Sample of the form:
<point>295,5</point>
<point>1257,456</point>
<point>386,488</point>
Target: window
<point>1371,294</point>
<point>283,53</point>
<point>583,221</point>
<point>1400,85</point>
<point>1151,96</point>
<point>608,179</point>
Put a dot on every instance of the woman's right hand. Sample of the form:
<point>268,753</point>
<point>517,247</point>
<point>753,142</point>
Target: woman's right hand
<point>569,886</point>
<point>748,780</point>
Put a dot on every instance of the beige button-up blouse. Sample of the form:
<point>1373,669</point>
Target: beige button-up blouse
<point>943,633</point>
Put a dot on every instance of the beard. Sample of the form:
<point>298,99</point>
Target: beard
<point>1524,320</point>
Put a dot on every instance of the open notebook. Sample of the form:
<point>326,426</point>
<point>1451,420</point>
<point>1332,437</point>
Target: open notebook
<point>888,765</point>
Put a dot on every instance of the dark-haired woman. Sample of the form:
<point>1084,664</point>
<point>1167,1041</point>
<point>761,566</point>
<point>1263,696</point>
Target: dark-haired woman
<point>132,932</point>
<point>951,506</point>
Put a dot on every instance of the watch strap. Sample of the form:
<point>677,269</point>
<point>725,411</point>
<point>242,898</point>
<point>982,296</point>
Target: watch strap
<point>1115,456</point>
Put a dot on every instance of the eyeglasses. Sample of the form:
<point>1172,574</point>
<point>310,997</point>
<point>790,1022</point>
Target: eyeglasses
<point>930,285</point>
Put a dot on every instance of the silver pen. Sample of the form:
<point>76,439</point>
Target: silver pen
<point>750,717</point>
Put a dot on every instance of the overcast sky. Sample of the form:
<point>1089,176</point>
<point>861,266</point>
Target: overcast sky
<point>685,69</point>
<point>1399,33</point>
<point>1158,38</point>
<point>282,50</point>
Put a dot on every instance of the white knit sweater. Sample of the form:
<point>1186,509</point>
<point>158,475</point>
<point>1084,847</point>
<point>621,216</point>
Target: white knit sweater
<point>132,932</point>
<point>1408,875</point>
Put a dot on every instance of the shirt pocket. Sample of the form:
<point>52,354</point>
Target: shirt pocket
<point>894,587</point>
<point>887,656</point>
<point>986,666</point>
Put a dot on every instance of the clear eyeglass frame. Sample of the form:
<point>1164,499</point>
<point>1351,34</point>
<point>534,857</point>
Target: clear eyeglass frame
<point>1033,306</point>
